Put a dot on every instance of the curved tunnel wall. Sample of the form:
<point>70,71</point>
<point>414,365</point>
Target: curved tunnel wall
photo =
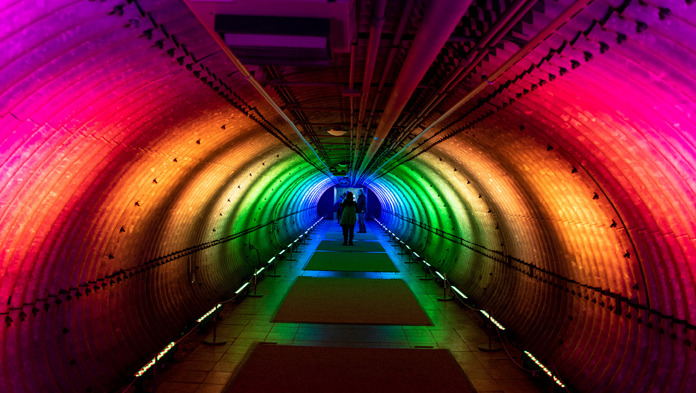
<point>131,172</point>
<point>573,192</point>
<point>131,189</point>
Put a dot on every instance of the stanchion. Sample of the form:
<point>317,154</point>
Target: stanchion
<point>154,376</point>
<point>426,276</point>
<point>444,297</point>
<point>215,342</point>
<point>255,294</point>
<point>490,347</point>
<point>291,259</point>
<point>401,248</point>
<point>410,257</point>
<point>275,262</point>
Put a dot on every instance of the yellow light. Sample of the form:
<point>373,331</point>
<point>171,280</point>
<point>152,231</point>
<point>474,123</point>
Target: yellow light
<point>496,323</point>
<point>208,313</point>
<point>155,359</point>
<point>546,370</point>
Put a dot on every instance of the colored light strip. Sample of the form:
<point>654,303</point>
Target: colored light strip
<point>282,252</point>
<point>206,315</point>
<point>427,264</point>
<point>155,359</point>
<point>496,323</point>
<point>260,270</point>
<point>271,260</point>
<point>416,254</point>
<point>460,293</point>
<point>241,288</point>
<point>440,275</point>
<point>546,370</point>
<point>407,246</point>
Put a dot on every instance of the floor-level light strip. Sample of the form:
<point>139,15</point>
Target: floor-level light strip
<point>490,318</point>
<point>458,292</point>
<point>155,359</point>
<point>546,370</point>
<point>206,315</point>
<point>238,291</point>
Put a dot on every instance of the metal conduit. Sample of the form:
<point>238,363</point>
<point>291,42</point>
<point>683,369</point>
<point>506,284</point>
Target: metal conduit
<point>441,19</point>
<point>376,28</point>
<point>245,73</point>
<point>553,26</point>
<point>502,26</point>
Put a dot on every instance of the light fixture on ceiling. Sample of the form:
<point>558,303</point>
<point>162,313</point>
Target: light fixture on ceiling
<point>335,132</point>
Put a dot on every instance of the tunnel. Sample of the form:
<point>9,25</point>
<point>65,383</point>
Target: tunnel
<point>539,155</point>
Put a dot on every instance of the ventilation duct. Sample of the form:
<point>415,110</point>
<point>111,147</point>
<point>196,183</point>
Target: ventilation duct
<point>280,32</point>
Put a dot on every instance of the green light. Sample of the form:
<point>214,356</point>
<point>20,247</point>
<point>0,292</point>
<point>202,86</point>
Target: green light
<point>241,288</point>
<point>459,292</point>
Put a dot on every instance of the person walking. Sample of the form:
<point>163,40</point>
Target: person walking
<point>338,208</point>
<point>348,211</point>
<point>362,207</point>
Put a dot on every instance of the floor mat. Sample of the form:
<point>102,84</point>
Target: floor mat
<point>351,301</point>
<point>283,368</point>
<point>351,262</point>
<point>359,246</point>
<point>356,236</point>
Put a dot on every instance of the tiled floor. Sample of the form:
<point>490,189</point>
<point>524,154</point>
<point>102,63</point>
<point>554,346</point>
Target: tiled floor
<point>207,369</point>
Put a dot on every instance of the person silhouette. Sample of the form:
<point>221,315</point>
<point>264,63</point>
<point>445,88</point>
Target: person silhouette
<point>362,207</point>
<point>348,212</point>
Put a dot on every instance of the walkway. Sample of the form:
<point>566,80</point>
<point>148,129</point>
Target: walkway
<point>207,369</point>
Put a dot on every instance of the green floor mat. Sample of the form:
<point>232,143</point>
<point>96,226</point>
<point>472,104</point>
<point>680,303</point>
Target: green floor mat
<point>359,246</point>
<point>351,262</point>
<point>356,236</point>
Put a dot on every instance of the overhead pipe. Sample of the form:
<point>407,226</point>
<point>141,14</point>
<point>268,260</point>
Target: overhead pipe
<point>562,19</point>
<point>250,78</point>
<point>396,43</point>
<point>440,21</point>
<point>502,26</point>
<point>376,27</point>
<point>351,86</point>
